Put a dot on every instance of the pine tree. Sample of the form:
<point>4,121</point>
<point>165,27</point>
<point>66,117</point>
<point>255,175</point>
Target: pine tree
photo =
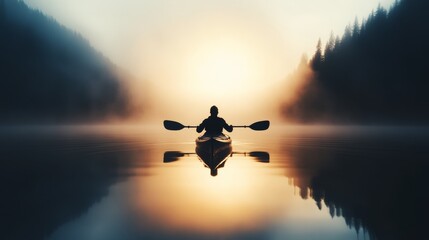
<point>317,60</point>
<point>356,29</point>
<point>347,33</point>
<point>330,45</point>
<point>337,42</point>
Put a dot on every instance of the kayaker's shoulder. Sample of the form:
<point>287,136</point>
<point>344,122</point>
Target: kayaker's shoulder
<point>221,119</point>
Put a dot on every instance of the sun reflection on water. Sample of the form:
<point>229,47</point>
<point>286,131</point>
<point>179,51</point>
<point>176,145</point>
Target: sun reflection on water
<point>187,197</point>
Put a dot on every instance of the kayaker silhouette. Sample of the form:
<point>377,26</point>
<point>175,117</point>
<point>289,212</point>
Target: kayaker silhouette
<point>214,124</point>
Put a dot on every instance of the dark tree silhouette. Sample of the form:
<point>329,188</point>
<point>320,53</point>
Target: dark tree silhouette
<point>49,73</point>
<point>317,60</point>
<point>376,73</point>
<point>330,46</point>
<point>373,178</point>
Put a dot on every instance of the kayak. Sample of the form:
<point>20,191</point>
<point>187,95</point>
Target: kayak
<point>213,151</point>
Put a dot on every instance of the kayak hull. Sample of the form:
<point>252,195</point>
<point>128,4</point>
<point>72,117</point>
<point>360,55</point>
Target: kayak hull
<point>213,151</point>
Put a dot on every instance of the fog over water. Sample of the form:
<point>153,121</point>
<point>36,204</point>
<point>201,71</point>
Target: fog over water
<point>84,153</point>
<point>104,182</point>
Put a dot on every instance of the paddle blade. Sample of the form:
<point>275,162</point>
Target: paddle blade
<point>172,125</point>
<point>260,126</point>
<point>263,157</point>
<point>172,156</point>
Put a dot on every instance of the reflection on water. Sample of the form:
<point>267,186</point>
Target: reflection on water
<point>218,161</point>
<point>145,183</point>
<point>49,177</point>
<point>375,178</point>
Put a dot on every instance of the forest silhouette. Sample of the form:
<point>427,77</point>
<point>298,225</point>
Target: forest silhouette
<point>375,179</point>
<point>52,74</point>
<point>375,73</point>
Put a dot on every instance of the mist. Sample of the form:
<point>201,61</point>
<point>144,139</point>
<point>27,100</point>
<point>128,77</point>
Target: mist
<point>51,74</point>
<point>235,57</point>
<point>373,74</point>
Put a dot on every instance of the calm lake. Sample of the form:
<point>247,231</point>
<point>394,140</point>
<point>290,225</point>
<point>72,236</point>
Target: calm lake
<point>115,183</point>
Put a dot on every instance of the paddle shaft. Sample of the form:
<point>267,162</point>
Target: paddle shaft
<point>257,126</point>
<point>244,126</point>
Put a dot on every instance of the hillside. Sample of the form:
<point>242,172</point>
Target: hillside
<point>51,74</point>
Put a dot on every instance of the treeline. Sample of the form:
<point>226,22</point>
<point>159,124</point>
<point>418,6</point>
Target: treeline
<point>51,74</point>
<point>371,177</point>
<point>375,73</point>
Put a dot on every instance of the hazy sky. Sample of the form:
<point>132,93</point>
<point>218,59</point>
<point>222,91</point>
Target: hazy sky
<point>182,46</point>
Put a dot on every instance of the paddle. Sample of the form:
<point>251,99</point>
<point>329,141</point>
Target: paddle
<point>172,156</point>
<point>263,157</point>
<point>257,126</point>
<point>175,126</point>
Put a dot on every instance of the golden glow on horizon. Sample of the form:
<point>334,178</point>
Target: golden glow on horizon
<point>223,61</point>
<point>193,54</point>
<point>221,72</point>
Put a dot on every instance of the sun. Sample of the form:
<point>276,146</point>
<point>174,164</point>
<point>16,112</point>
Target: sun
<point>233,70</point>
<point>222,69</point>
<point>229,73</point>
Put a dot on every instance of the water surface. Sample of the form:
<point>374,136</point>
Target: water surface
<point>112,182</point>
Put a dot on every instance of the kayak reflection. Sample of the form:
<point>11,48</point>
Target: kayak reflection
<point>173,156</point>
<point>214,151</point>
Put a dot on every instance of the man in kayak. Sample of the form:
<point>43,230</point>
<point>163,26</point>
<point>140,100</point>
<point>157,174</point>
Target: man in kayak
<point>214,124</point>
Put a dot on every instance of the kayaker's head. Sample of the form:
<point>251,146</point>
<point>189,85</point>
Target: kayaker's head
<point>214,111</point>
<point>213,172</point>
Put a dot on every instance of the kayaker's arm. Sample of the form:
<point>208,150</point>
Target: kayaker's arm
<point>201,127</point>
<point>227,127</point>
